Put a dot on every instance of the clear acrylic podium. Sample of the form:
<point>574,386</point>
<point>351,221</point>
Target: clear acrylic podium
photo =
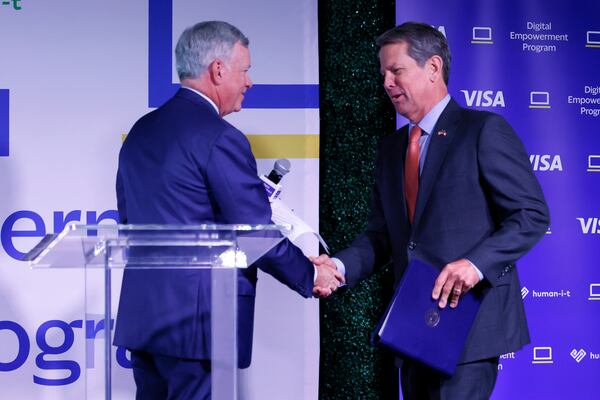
<point>102,252</point>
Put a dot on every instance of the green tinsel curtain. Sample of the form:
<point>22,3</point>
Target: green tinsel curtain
<point>355,113</point>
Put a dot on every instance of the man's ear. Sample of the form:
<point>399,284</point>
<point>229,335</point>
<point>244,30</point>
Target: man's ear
<point>216,71</point>
<point>435,67</point>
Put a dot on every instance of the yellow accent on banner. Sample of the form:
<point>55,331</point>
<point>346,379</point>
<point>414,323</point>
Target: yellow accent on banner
<point>280,146</point>
<point>284,146</point>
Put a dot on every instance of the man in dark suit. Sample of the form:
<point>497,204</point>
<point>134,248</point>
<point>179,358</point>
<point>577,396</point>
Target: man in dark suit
<point>184,164</point>
<point>454,187</point>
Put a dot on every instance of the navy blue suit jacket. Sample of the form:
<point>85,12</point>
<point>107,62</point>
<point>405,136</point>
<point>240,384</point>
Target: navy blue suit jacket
<point>478,199</point>
<point>184,164</point>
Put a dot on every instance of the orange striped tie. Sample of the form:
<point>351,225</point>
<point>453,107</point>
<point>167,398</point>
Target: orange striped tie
<point>411,171</point>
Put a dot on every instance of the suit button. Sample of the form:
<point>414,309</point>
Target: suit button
<point>507,268</point>
<point>412,245</point>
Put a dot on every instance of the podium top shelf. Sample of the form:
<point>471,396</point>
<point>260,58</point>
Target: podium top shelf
<point>155,246</point>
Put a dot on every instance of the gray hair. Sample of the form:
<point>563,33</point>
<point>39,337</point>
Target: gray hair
<point>423,42</point>
<point>203,43</point>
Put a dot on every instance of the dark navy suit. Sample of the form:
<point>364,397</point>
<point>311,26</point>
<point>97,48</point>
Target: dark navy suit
<point>184,164</point>
<point>478,199</point>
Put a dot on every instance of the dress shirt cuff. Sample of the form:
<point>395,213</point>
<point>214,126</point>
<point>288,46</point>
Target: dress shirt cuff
<point>340,267</point>
<point>476,270</point>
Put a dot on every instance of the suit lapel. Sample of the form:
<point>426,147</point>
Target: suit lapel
<point>441,138</point>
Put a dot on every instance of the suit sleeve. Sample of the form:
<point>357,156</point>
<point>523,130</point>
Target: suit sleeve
<point>516,200</point>
<point>240,195</point>
<point>371,249</point>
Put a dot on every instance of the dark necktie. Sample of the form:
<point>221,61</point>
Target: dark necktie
<point>411,171</point>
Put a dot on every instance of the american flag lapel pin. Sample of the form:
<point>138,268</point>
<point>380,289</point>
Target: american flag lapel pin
<point>442,133</point>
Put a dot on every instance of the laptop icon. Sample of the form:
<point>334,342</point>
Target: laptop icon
<point>542,355</point>
<point>592,39</point>
<point>594,291</point>
<point>593,163</point>
<point>482,35</point>
<point>539,100</point>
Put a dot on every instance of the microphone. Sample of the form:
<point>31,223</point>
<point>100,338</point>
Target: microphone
<point>271,181</point>
<point>280,168</point>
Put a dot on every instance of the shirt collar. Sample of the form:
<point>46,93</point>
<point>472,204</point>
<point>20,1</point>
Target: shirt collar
<point>212,103</point>
<point>430,119</point>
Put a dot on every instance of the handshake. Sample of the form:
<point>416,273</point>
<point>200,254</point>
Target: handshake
<point>328,279</point>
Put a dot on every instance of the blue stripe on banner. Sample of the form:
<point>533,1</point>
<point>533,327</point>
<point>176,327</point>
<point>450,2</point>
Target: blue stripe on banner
<point>160,61</point>
<point>4,122</point>
<point>282,96</point>
<point>160,57</point>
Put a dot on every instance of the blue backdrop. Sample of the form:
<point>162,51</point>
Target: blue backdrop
<point>537,63</point>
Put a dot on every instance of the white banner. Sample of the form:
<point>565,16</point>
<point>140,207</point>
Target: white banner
<point>75,76</point>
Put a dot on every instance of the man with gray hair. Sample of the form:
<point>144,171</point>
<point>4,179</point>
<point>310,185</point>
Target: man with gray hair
<point>453,187</point>
<point>184,164</point>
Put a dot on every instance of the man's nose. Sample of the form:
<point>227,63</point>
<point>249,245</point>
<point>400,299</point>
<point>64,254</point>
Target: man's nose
<point>388,80</point>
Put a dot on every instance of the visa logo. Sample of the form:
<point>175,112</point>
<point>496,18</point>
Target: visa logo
<point>484,98</point>
<point>545,162</point>
<point>589,225</point>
